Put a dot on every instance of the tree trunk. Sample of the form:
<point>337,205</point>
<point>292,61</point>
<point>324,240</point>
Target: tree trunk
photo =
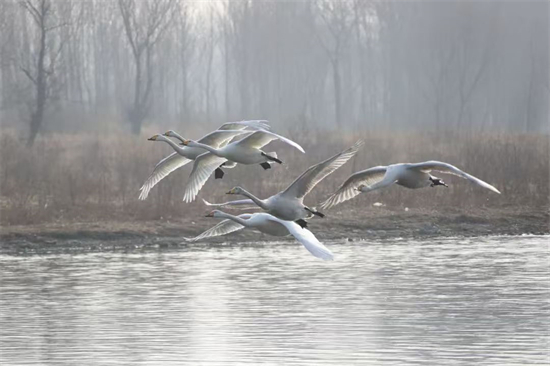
<point>40,83</point>
<point>337,92</point>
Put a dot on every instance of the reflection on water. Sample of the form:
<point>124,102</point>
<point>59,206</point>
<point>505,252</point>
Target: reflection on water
<point>475,301</point>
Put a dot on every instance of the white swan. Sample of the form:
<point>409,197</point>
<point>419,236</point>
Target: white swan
<point>267,224</point>
<point>184,155</point>
<point>289,204</point>
<point>406,174</point>
<point>246,151</point>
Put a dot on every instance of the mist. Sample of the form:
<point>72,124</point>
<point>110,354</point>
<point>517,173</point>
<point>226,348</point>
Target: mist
<point>71,66</point>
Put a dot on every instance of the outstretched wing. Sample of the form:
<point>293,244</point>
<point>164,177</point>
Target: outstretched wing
<point>309,179</point>
<point>259,139</point>
<point>220,138</point>
<point>203,168</point>
<point>260,124</point>
<point>348,189</point>
<point>439,166</point>
<point>162,169</point>
<point>222,228</point>
<point>306,237</point>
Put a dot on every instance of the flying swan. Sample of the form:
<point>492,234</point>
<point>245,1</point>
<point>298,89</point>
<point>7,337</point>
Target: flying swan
<point>246,151</point>
<point>289,204</point>
<point>267,224</point>
<point>405,174</point>
<point>184,155</point>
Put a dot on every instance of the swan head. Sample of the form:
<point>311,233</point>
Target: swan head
<point>214,213</point>
<point>235,190</point>
<point>170,133</point>
<point>156,137</point>
<point>186,142</point>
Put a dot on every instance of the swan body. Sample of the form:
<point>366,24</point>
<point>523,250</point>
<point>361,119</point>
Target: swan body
<point>246,151</point>
<point>184,154</point>
<point>289,204</point>
<point>409,175</point>
<point>267,224</point>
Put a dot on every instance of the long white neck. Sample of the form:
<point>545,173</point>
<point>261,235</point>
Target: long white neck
<point>206,147</point>
<point>259,202</point>
<point>237,219</point>
<point>175,146</point>
<point>178,136</point>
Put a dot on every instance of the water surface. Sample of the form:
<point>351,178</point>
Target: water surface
<point>473,301</point>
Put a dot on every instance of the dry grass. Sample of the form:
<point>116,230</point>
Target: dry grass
<point>87,177</point>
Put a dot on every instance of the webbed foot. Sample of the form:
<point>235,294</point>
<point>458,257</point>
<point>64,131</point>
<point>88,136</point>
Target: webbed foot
<point>218,173</point>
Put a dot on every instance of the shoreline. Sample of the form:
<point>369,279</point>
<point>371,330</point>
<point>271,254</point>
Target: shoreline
<point>375,223</point>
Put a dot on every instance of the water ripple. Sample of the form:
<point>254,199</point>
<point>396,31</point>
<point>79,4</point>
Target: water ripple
<point>462,301</point>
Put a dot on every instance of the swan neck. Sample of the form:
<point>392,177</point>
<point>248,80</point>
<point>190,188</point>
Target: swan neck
<point>178,136</point>
<point>206,147</point>
<point>256,200</point>
<point>173,144</point>
<point>233,218</point>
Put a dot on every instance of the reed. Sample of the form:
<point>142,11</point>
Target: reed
<point>88,177</point>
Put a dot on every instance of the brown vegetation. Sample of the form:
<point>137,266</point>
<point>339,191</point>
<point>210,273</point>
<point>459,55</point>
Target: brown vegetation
<point>67,178</point>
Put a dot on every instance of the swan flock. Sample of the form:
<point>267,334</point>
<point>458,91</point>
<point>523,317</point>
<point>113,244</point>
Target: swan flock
<point>284,213</point>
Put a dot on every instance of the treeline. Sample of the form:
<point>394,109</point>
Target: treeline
<point>71,65</point>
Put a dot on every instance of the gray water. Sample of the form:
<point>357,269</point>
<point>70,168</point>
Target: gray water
<point>474,301</point>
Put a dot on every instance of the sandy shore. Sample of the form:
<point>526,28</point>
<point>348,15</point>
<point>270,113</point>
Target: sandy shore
<point>376,223</point>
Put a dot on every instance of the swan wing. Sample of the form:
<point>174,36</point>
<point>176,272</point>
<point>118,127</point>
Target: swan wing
<point>439,166</point>
<point>348,189</point>
<point>222,228</point>
<point>162,169</point>
<point>306,237</point>
<point>259,139</point>
<point>241,204</point>
<point>203,168</point>
<point>311,177</point>
<point>260,124</point>
<point>220,138</point>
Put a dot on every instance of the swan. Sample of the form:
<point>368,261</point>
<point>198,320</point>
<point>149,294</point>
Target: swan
<point>184,155</point>
<point>246,151</point>
<point>408,175</point>
<point>267,224</point>
<point>289,204</point>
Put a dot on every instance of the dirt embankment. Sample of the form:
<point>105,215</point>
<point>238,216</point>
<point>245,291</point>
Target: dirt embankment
<point>376,223</point>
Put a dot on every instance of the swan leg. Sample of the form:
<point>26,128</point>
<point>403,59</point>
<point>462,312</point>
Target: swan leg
<point>265,165</point>
<point>315,212</point>
<point>218,173</point>
<point>272,158</point>
<point>437,182</point>
<point>302,223</point>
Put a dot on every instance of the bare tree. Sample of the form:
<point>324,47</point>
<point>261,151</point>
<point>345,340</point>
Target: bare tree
<point>41,69</point>
<point>145,22</point>
<point>336,18</point>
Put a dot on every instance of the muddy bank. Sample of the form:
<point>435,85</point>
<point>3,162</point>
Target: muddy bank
<point>378,223</point>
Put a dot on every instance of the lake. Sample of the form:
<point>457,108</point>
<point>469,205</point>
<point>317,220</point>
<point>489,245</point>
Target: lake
<point>448,301</point>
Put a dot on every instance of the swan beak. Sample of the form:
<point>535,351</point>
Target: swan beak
<point>167,133</point>
<point>211,214</point>
<point>232,191</point>
<point>152,138</point>
<point>185,142</point>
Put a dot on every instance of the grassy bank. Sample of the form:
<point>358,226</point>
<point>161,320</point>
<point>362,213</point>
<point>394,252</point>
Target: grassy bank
<point>65,179</point>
